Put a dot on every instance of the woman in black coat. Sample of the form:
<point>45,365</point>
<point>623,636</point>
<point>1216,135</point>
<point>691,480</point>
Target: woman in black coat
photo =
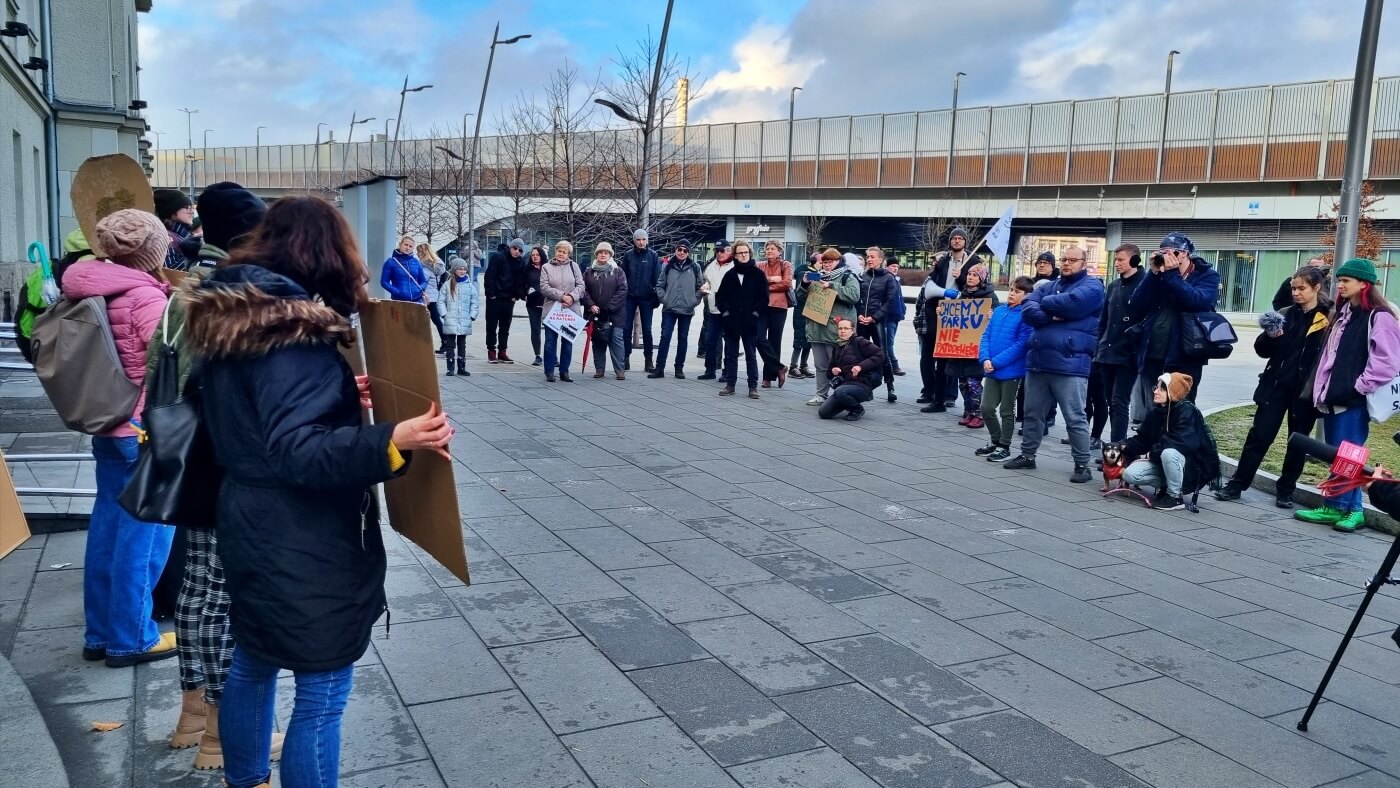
<point>857,363</point>
<point>296,516</point>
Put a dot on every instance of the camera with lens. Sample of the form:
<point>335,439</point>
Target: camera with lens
<point>1157,260</point>
<point>835,381</point>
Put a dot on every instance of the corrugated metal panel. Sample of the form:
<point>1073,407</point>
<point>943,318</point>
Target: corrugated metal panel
<point>1239,234</point>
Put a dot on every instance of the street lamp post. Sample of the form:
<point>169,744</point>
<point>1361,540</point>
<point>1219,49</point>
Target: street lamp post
<point>189,144</point>
<point>1166,103</point>
<point>351,135</point>
<point>953,129</point>
<point>476,136</point>
<point>792,106</point>
<point>257,137</point>
<point>205,152</point>
<point>1349,205</point>
<point>403,94</point>
<point>387,121</point>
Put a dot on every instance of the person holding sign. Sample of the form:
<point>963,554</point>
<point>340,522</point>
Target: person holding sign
<point>561,287</point>
<point>830,293</point>
<point>968,371</point>
<point>606,302</point>
<point>856,363</point>
<point>1065,315</point>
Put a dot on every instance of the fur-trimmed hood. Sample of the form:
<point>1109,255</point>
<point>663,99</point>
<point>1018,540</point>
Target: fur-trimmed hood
<point>247,310</point>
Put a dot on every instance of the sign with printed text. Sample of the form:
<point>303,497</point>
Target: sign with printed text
<point>565,322</point>
<point>961,323</point>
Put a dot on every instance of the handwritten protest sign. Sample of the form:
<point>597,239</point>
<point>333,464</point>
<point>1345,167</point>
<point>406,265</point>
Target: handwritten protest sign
<point>820,301</point>
<point>961,322</point>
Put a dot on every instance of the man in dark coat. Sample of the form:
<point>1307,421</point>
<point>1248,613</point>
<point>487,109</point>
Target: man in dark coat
<point>1116,357</point>
<point>857,363</point>
<point>643,268</point>
<point>879,291</point>
<point>678,289</point>
<point>505,280</point>
<point>1065,316</point>
<point>1179,283</point>
<point>742,300</point>
<point>948,272</point>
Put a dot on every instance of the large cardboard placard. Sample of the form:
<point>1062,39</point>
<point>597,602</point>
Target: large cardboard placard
<point>399,360</point>
<point>820,301</point>
<point>105,185</point>
<point>13,527</point>
<point>961,323</point>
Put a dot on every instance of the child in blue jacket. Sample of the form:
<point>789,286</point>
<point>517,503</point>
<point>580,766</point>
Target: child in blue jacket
<point>1003,357</point>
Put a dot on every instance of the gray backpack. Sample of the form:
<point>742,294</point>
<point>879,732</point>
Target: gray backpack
<point>76,359</point>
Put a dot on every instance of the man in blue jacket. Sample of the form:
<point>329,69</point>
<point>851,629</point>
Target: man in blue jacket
<point>1065,316</point>
<point>643,268</point>
<point>1178,283</point>
<point>894,315</point>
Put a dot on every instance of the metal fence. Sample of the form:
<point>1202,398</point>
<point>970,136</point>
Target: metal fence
<point>1270,132</point>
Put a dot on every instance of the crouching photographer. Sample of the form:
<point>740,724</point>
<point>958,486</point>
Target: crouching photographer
<point>855,373</point>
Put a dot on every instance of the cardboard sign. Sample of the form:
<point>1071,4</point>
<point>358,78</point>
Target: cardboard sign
<point>820,301</point>
<point>961,322</point>
<point>399,360</point>
<point>564,321</point>
<point>105,185</point>
<point>14,529</point>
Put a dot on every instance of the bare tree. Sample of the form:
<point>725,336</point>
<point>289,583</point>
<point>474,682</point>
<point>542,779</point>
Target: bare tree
<point>816,224</point>
<point>1370,238</point>
<point>427,202</point>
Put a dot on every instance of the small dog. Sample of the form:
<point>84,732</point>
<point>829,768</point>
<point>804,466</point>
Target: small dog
<point>1113,466</point>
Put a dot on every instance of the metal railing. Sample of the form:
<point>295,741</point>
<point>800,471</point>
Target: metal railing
<point>1269,132</point>
<point>55,492</point>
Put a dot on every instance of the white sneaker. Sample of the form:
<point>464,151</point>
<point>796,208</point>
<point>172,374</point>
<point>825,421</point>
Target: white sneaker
<point>817,400</point>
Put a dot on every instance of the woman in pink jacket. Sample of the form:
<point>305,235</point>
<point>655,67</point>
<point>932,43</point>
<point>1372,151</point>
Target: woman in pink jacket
<point>124,556</point>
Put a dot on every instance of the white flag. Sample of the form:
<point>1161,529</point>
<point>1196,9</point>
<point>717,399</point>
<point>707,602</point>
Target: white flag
<point>1000,235</point>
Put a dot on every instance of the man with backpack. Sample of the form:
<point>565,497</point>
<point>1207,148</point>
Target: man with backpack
<point>679,290</point>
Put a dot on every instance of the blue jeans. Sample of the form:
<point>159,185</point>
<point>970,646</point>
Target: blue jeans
<point>557,352</point>
<point>311,752</point>
<point>668,325</point>
<point>890,330</point>
<point>1349,425</point>
<point>646,307</point>
<point>713,343</point>
<point>123,560</point>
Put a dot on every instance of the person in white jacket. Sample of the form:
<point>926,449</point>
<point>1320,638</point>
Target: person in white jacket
<point>460,305</point>
<point>712,330</point>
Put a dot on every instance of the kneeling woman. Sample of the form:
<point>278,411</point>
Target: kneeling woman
<point>298,528</point>
<point>856,362</point>
<point>1174,455</point>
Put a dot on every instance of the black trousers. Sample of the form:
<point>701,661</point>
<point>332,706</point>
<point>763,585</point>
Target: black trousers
<point>928,366</point>
<point>847,396</point>
<point>755,345</point>
<point>435,315</point>
<point>772,332</point>
<point>1117,384</point>
<point>1096,404</point>
<point>498,316</point>
<point>536,326</point>
<point>875,332</point>
<point>1301,416</point>
<point>456,345</point>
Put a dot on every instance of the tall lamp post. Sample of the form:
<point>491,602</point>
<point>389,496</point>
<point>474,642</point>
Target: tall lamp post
<point>1166,104</point>
<point>189,144</point>
<point>387,121</point>
<point>205,153</point>
<point>792,106</point>
<point>257,137</point>
<point>1349,205</point>
<point>351,135</point>
<point>399,121</point>
<point>953,129</point>
<point>476,136</point>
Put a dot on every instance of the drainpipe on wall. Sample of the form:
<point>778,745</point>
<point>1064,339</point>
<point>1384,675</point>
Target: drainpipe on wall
<point>50,135</point>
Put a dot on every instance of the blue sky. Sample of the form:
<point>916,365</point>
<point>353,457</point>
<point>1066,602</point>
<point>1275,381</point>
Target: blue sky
<point>291,65</point>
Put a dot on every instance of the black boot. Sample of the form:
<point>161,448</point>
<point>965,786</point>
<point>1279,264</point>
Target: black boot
<point>650,367</point>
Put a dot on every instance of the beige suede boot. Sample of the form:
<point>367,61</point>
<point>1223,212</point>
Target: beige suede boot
<point>211,750</point>
<point>193,719</point>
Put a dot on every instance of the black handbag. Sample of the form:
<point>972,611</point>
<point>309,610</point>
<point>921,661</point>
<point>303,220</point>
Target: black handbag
<point>1207,335</point>
<point>176,479</point>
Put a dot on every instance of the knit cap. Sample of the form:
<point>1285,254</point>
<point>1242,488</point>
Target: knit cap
<point>170,202</point>
<point>603,246</point>
<point>980,270</point>
<point>134,239</point>
<point>1178,385</point>
<point>1359,268</point>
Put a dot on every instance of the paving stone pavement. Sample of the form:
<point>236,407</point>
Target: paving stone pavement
<point>674,589</point>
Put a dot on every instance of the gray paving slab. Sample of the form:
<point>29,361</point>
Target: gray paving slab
<point>413,595</point>
<point>64,548</point>
<point>420,774</point>
<point>765,657</point>
<point>1356,735</point>
<point>651,752</point>
<point>1349,688</point>
<point>857,525</point>
<point>94,759</point>
<point>510,613</point>
<point>818,576</point>
<point>610,547</point>
<point>1184,762</point>
<point>933,637</point>
<point>1049,572</point>
<point>561,513</point>
<point>727,717</point>
<point>573,685</point>
<point>951,535</point>
<point>937,593</point>
<point>1178,566</point>
<point>55,600</point>
<point>1064,611</point>
<point>1181,623</point>
<point>1279,754</point>
<point>676,594</point>
<point>1072,657</point>
<point>712,562</point>
<point>741,536</point>
<point>565,576</point>
<point>1033,755</point>
<point>50,662</point>
<point>822,768</point>
<point>17,574</point>
<point>1189,595</point>
<point>1053,547</point>
<point>918,687</point>
<point>649,525</point>
<point>439,659</point>
<point>631,634</point>
<point>375,714</point>
<point>841,549</point>
<point>517,535</point>
<point>882,741</point>
<point>945,561</point>
<point>797,613</point>
<point>1381,662</point>
<point>1081,715</point>
<point>1299,580</point>
<point>495,740</point>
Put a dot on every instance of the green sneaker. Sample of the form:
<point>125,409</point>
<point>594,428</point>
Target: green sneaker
<point>1350,521</point>
<point>1327,515</point>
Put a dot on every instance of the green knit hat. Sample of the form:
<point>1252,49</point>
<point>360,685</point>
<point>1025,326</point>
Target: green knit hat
<point>1358,268</point>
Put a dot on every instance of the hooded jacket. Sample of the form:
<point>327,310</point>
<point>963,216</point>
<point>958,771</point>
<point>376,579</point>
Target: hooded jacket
<point>859,351</point>
<point>1064,346</point>
<point>135,304</point>
<point>643,268</point>
<point>298,528</point>
<point>1178,424</point>
<point>1005,343</point>
<point>879,291</point>
<point>404,278</point>
<point>461,309</point>
<point>678,287</point>
<point>1162,298</point>
<point>606,288</point>
<point>1119,331</point>
<point>743,297</point>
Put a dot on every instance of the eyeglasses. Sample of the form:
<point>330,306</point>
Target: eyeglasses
<point>742,254</point>
<point>1072,259</point>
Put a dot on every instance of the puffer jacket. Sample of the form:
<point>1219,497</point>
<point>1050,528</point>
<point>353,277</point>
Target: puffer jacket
<point>879,291</point>
<point>135,305</point>
<point>863,353</point>
<point>1005,343</point>
<point>404,278</point>
<point>461,309</point>
<point>1064,346</point>
<point>678,288</point>
<point>559,279</point>
<point>847,287</point>
<point>1171,293</point>
<point>606,288</point>
<point>434,272</point>
<point>641,267</point>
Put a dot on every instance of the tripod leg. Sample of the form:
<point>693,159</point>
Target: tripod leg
<point>1372,587</point>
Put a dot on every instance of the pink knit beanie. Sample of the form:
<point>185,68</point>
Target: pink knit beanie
<point>134,239</point>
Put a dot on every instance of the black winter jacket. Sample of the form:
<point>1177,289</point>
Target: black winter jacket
<point>1180,426</point>
<point>505,275</point>
<point>605,288</point>
<point>1292,356</point>
<point>879,290</point>
<point>298,528</point>
<point>533,297</point>
<point>742,305</point>
<point>1119,331</point>
<point>643,268</point>
<point>863,353</point>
